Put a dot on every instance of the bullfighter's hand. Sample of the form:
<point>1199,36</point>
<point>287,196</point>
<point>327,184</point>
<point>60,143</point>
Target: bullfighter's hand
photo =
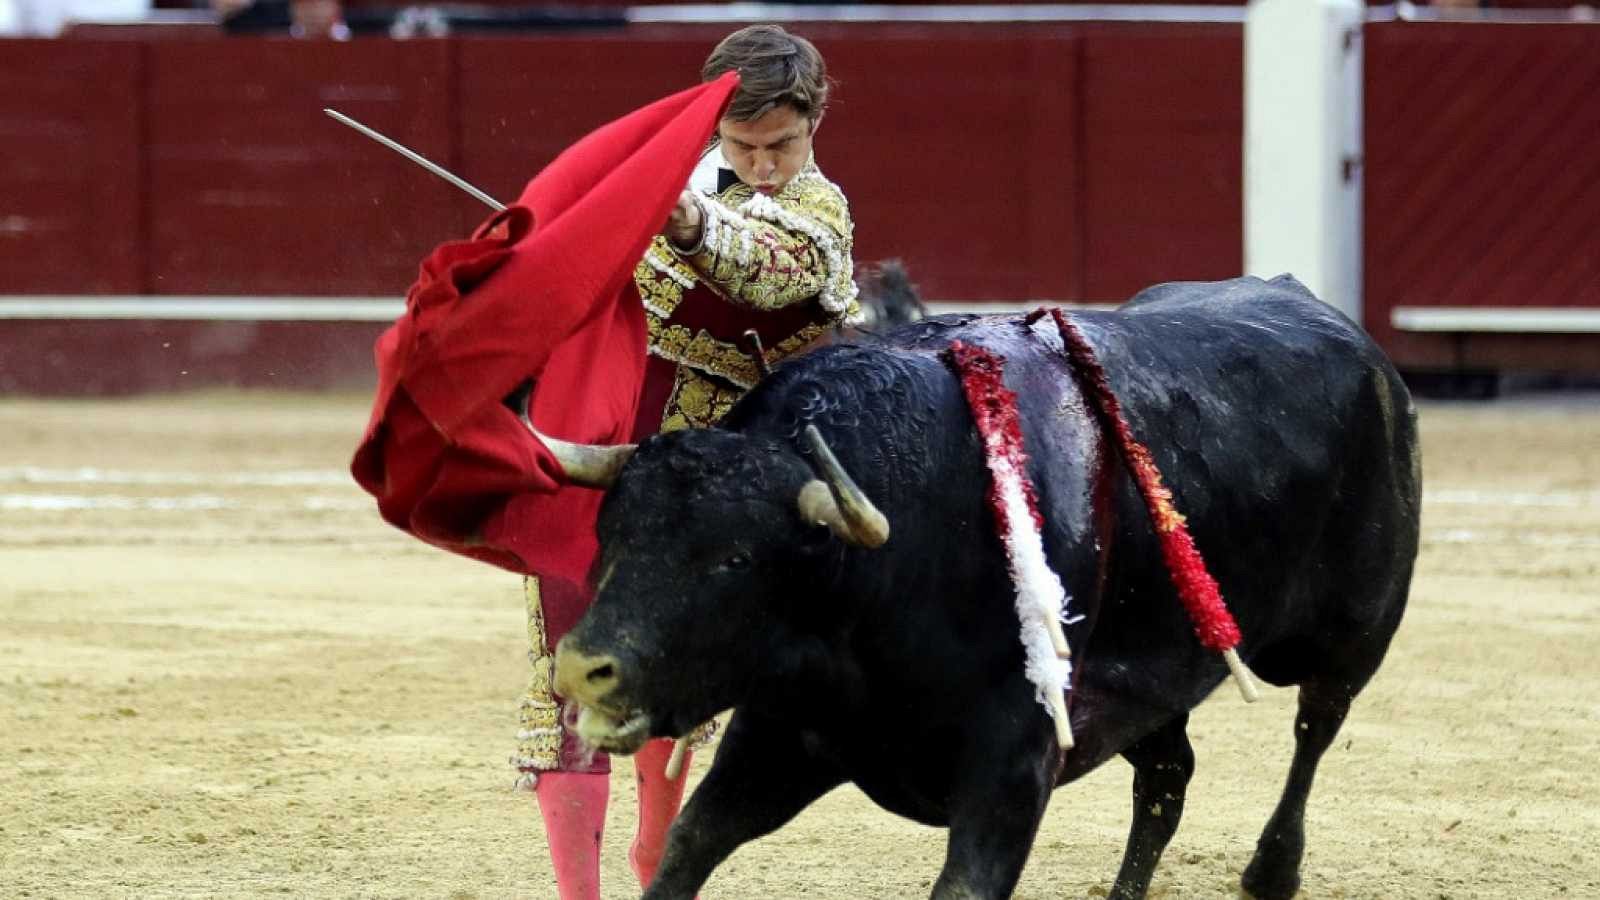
<point>685,228</point>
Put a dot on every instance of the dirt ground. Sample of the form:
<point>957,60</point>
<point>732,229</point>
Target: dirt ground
<point>221,675</point>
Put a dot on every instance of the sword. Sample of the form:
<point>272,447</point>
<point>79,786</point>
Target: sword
<point>419,159</point>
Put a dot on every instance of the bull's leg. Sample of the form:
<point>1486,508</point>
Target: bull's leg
<point>762,778</point>
<point>1274,871</point>
<point>993,819</point>
<point>1162,763</point>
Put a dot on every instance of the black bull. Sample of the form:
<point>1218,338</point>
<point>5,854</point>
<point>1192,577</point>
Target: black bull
<point>1286,437</point>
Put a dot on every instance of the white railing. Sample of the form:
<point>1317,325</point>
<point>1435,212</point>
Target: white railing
<point>1411,12</point>
<point>699,13</point>
<point>328,309</point>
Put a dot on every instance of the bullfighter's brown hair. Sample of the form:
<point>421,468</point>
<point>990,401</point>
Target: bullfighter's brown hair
<point>775,68</point>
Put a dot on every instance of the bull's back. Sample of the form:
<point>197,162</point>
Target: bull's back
<point>1284,434</point>
<point>1289,442</point>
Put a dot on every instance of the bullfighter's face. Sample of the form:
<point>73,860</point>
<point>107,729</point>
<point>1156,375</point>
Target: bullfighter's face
<point>768,151</point>
<point>704,567</point>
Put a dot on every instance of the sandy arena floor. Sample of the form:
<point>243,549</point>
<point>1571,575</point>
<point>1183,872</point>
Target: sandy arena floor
<point>221,675</point>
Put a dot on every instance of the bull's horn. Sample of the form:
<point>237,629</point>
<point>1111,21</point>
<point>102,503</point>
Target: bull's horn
<point>591,465</point>
<point>838,503</point>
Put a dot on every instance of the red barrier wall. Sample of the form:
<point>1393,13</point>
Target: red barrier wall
<point>109,356</point>
<point>252,190</point>
<point>1482,184</point>
<point>1163,111</point>
<point>1002,162</point>
<point>1068,162</point>
<point>71,181</point>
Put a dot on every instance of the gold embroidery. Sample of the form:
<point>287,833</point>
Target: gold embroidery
<point>539,734</point>
<point>811,192</point>
<point>770,252</point>
<point>660,296</point>
<point>811,213</point>
<point>698,401</point>
<point>773,252</point>
<point>796,342</point>
<point>782,265</point>
<point>704,734</point>
<point>662,278</point>
<point>701,351</point>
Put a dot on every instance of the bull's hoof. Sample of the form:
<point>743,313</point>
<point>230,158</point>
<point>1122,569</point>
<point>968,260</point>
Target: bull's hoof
<point>1264,881</point>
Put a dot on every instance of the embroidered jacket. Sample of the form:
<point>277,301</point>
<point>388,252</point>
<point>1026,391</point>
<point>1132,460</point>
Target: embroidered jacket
<point>780,265</point>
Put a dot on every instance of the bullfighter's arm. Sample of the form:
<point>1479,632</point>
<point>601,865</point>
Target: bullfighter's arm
<point>770,252</point>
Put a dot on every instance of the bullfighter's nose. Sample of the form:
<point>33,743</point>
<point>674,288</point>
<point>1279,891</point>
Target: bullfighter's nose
<point>586,679</point>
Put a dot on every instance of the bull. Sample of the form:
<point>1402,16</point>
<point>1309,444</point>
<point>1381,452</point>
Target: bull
<point>865,632</point>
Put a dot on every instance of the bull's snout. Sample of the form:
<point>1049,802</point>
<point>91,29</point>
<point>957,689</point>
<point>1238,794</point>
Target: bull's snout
<point>584,678</point>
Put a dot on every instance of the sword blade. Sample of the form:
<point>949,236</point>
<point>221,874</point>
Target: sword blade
<point>418,158</point>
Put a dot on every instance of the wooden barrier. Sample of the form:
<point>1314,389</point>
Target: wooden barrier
<point>1058,162</point>
<point>1482,192</point>
<point>72,218</point>
<point>1002,162</point>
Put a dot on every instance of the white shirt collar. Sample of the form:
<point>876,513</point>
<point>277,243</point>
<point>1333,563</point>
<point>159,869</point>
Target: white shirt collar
<point>703,180</point>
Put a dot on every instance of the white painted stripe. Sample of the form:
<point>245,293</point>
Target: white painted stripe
<point>873,12</point>
<point>1552,499</point>
<point>183,503</point>
<point>261,478</point>
<point>1538,320</point>
<point>333,504</point>
<point>62,502</point>
<point>204,308</point>
<point>1510,538</point>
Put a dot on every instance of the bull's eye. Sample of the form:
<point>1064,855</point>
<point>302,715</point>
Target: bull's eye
<point>738,562</point>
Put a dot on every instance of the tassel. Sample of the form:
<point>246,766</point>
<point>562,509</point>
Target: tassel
<point>1197,590</point>
<point>1041,600</point>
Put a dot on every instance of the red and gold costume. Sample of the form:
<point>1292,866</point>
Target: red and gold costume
<point>543,304</point>
<point>538,303</point>
<point>778,264</point>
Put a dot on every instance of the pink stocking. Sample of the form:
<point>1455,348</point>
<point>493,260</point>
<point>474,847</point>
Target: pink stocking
<point>574,808</point>
<point>658,806</point>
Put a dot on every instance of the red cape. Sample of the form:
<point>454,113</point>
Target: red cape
<point>543,291</point>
